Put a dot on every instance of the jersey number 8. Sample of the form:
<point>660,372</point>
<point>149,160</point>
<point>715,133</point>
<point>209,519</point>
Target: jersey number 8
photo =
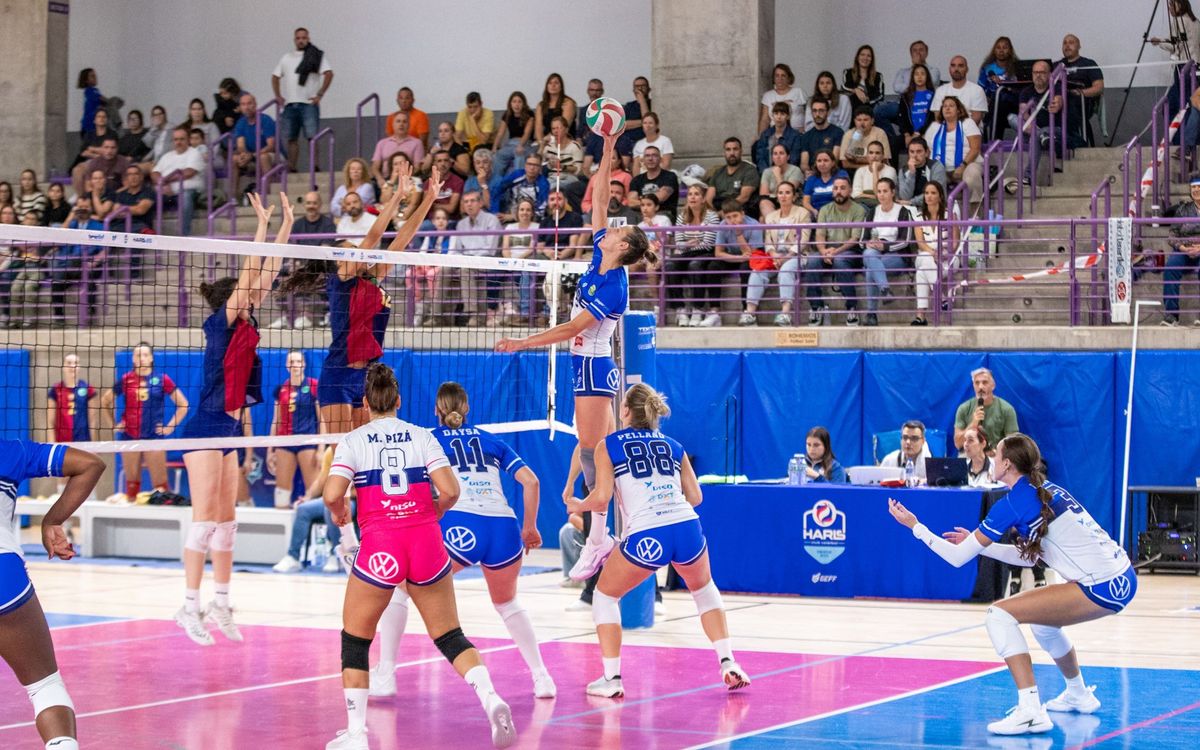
<point>646,458</point>
<point>392,464</point>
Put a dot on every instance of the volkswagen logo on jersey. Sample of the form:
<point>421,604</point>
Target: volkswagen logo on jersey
<point>383,565</point>
<point>648,549</point>
<point>1118,588</point>
<point>460,538</point>
<point>614,379</point>
<point>824,531</point>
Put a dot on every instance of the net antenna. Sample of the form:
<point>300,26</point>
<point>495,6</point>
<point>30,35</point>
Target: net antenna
<point>555,284</point>
<point>1137,316</point>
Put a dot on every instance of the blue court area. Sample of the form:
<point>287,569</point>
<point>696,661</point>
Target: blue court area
<point>1142,709</point>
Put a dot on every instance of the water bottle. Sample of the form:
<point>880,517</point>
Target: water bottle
<point>856,147</point>
<point>803,468</point>
<point>910,474</point>
<point>794,471</point>
<point>319,546</point>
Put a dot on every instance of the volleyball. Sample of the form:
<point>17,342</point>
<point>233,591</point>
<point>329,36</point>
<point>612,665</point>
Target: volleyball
<point>606,116</point>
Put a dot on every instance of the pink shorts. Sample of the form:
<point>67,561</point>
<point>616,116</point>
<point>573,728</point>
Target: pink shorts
<point>391,556</point>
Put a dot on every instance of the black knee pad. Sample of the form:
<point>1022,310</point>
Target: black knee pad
<point>452,643</point>
<point>356,652</point>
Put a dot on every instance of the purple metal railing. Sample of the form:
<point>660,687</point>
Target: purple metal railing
<point>312,159</point>
<point>226,143</point>
<point>358,125</point>
<point>174,177</point>
<point>279,153</point>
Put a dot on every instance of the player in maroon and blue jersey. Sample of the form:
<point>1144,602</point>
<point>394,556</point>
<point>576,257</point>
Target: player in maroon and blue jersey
<point>295,414</point>
<point>68,405</point>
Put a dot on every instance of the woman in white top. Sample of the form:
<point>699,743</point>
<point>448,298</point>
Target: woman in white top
<point>956,141</point>
<point>691,252</point>
<point>979,464</point>
<point>520,246</point>
<point>563,156</point>
<point>841,111</point>
<point>866,178</point>
<point>784,90</point>
<point>654,137</point>
<point>355,177</point>
<point>780,171</point>
<point>198,120</point>
<point>783,248</point>
<point>936,241</point>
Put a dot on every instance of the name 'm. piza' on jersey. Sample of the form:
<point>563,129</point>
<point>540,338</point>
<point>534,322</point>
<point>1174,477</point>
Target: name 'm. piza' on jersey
<point>478,457</point>
<point>647,485</point>
<point>389,462</point>
<point>604,296</point>
<point>21,460</point>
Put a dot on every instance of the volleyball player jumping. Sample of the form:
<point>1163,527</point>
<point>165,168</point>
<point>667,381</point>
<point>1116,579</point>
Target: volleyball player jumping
<point>1051,526</point>
<point>601,297</point>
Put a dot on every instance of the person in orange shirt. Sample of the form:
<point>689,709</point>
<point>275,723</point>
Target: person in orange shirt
<point>418,121</point>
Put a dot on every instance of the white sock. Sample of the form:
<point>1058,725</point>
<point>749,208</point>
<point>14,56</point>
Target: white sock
<point>356,709</point>
<point>191,601</point>
<point>479,679</point>
<point>222,594</point>
<point>283,498</point>
<point>62,743</point>
<point>599,528</point>
<point>724,649</point>
<point>1028,698</point>
<point>612,667</point>
<point>520,627</point>
<point>391,629</point>
<point>1075,685</point>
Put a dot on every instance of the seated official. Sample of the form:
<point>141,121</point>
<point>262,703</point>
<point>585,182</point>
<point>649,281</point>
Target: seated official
<point>822,466</point>
<point>912,447</point>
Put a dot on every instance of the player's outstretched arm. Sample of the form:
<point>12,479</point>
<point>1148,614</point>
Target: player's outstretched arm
<point>564,332</point>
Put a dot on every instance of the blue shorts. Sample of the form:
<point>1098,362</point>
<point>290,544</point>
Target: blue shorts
<point>339,384</point>
<point>208,424</point>
<point>15,586</point>
<point>1114,594</point>
<point>151,436</point>
<point>491,541</point>
<point>299,115</point>
<point>296,448</point>
<point>595,376</point>
<point>681,543</point>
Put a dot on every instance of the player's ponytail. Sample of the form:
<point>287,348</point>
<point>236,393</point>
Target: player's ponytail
<point>646,406</point>
<point>307,278</point>
<point>451,404</point>
<point>218,293</point>
<point>638,248</point>
<point>383,392</point>
<point>1026,458</point>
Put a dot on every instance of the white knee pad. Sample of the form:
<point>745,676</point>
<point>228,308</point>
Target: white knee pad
<point>1005,633</point>
<point>224,536</point>
<point>200,535</point>
<point>48,693</point>
<point>513,607</point>
<point>283,498</point>
<point>605,610</point>
<point>708,598</point>
<point>1052,640</point>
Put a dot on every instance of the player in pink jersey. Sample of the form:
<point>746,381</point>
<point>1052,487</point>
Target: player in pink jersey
<point>395,466</point>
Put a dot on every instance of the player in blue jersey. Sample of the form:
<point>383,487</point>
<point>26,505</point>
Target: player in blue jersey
<point>480,529</point>
<point>656,492</point>
<point>295,414</point>
<point>1051,526</point>
<point>25,643</point>
<point>232,382</point>
<point>600,300</point>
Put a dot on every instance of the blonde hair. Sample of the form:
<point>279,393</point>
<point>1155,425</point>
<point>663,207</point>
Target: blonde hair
<point>646,406</point>
<point>451,404</point>
<point>366,171</point>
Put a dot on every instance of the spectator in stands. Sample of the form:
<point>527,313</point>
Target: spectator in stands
<point>1185,253</point>
<point>840,109</point>
<point>737,241</point>
<point>818,188</point>
<point>475,284</point>
<point>866,178</point>
<point>918,53</point>
<point>408,203</point>
<point>355,222</point>
<point>690,255</point>
<point>198,119</point>
<point>460,155</point>
<point>918,171</point>
<point>996,416</point>
<point>616,175</point>
<point>779,131</point>
<point>312,221</point>
<point>782,248</point>
<point>423,279</point>
<point>72,263</point>
<point>554,103</point>
<point>226,110</point>
<point>837,252</point>
<point>253,137</point>
<point>418,120</point>
<point>399,140</point>
<point>181,161</point>
<point>93,100</point>
<point>1183,44</point>
<point>486,178</point>
<point>979,463</point>
<point>158,137</point>
<point>955,141</point>
<point>935,240</point>
<point>912,448</point>
<point>6,196</point>
<point>528,182</point>
<point>100,194</point>
<point>450,195</point>
<point>650,218</point>
<point>821,135</point>
<point>1036,134</point>
<point>58,211</point>
<point>132,142</point>
<point>138,197</point>
<point>570,544</point>
<point>634,110</point>
<point>736,178</point>
<point>30,198</point>
<point>563,157</point>
<point>89,142</point>
<point>784,91</point>
<point>198,141</point>
<point>1085,83</point>
<point>520,245</point>
<point>563,244</point>
<point>24,274</point>
<point>299,82</point>
<point>884,248</point>
<point>781,171</point>
<point>822,465</point>
<point>1000,68</point>
<point>309,512</point>
<point>475,123</point>
<point>595,90</point>
<point>513,134</point>
<point>107,161</point>
<point>861,82</point>
<point>620,214</point>
<point>653,139</point>
<point>913,113</point>
<point>865,132</point>
<point>663,184</point>
<point>969,93</point>
<point>356,178</point>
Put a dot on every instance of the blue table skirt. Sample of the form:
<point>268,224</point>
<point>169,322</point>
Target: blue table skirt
<point>834,540</point>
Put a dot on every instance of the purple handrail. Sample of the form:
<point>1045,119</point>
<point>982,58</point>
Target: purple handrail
<point>165,181</point>
<point>312,160</point>
<point>264,182</point>
<point>358,151</point>
<point>258,137</point>
<point>210,176</point>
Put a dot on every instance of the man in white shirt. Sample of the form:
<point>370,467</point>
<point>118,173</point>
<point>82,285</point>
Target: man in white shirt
<point>912,447</point>
<point>181,160</point>
<point>300,81</point>
<point>355,221</point>
<point>968,92</point>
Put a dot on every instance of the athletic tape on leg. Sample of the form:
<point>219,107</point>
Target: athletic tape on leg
<point>1005,633</point>
<point>200,535</point>
<point>605,609</point>
<point>1052,640</point>
<point>356,652</point>
<point>49,692</point>
<point>283,498</point>
<point>708,598</point>
<point>223,538</point>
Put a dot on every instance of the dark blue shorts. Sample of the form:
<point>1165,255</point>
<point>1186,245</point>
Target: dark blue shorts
<point>681,543</point>
<point>296,448</point>
<point>491,541</point>
<point>1113,594</point>
<point>299,116</point>
<point>15,586</point>
<point>595,376</point>
<point>208,424</point>
<point>339,384</point>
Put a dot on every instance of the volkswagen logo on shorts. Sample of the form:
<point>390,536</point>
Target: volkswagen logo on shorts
<point>1118,588</point>
<point>383,565</point>
<point>460,538</point>
<point>648,549</point>
<point>614,379</point>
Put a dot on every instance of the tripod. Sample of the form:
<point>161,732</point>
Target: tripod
<point>1133,74</point>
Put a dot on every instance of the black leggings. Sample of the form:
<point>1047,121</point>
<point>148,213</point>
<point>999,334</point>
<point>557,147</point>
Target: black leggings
<point>687,280</point>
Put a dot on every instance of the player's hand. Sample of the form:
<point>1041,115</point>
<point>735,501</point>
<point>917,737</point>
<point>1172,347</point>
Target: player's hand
<point>340,513</point>
<point>55,540</point>
<point>510,345</point>
<point>531,538</point>
<point>434,183</point>
<point>289,215</point>
<point>262,212</point>
<point>903,515</point>
<point>957,536</point>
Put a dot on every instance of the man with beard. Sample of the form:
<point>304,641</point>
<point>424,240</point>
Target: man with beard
<point>968,92</point>
<point>354,221</point>
<point>736,179</point>
<point>837,243</point>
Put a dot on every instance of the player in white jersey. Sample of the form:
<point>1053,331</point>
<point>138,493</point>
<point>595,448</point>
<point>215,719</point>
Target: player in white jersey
<point>1052,527</point>
<point>481,528</point>
<point>601,297</point>
<point>656,491</point>
<point>25,643</point>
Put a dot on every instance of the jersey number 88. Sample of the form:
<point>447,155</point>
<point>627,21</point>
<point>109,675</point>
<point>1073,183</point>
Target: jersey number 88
<point>646,458</point>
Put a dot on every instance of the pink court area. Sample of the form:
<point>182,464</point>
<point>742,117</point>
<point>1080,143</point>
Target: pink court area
<point>142,685</point>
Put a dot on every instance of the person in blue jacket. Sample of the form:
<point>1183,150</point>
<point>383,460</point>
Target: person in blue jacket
<point>822,466</point>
